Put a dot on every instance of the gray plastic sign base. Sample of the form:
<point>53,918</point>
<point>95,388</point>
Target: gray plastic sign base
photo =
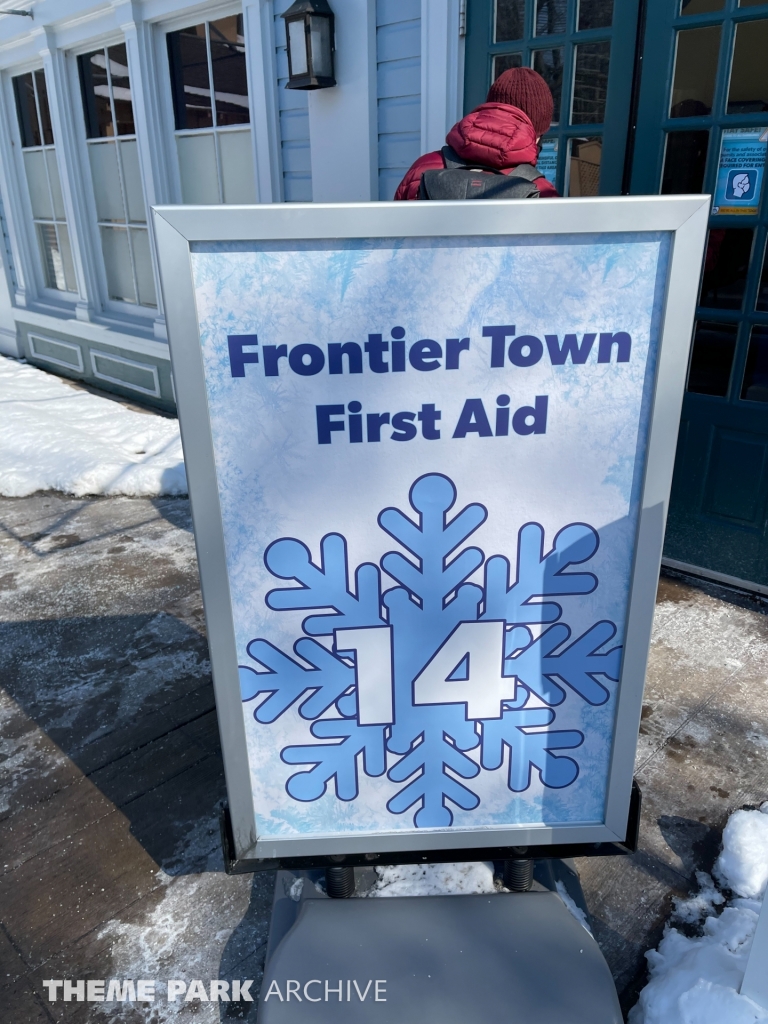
<point>453,959</point>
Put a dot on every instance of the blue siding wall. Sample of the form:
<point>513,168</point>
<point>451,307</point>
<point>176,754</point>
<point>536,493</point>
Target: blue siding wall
<point>294,122</point>
<point>398,59</point>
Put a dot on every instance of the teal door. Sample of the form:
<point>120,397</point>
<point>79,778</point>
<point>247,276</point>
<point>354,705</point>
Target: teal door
<point>702,115</point>
<point>585,49</point>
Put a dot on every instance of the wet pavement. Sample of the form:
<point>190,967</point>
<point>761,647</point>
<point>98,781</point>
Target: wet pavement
<point>111,857</point>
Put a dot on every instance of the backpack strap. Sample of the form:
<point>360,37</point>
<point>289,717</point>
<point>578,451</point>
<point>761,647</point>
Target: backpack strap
<point>454,162</point>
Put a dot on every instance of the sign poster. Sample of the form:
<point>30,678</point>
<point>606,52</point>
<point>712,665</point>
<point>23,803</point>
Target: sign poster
<point>547,161</point>
<point>429,455</point>
<point>741,170</point>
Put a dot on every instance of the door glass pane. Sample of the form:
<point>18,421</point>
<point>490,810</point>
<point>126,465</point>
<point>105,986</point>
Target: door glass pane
<point>584,167</point>
<point>762,294</point>
<point>237,170</point>
<point>40,197</point>
<point>42,105</point>
<point>95,89</point>
<point>595,14</point>
<point>755,385</point>
<point>230,84</point>
<point>550,16</point>
<point>117,262</point>
<point>712,358</point>
<point>197,165</point>
<point>121,89</point>
<point>549,64</point>
<point>504,62</point>
<point>29,127</point>
<point>510,20</point>
<point>190,84</point>
<point>748,90</point>
<point>701,6</point>
<point>53,177</point>
<point>695,71</point>
<point>52,262</point>
<point>66,258</point>
<point>590,83</point>
<point>106,182</point>
<point>145,276</point>
<point>725,267</point>
<point>134,193</point>
<point>684,162</point>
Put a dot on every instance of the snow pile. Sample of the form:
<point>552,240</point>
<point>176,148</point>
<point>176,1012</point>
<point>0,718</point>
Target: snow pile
<point>697,980</point>
<point>434,879</point>
<point>56,437</point>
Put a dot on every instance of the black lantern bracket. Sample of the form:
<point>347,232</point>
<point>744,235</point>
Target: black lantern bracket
<point>309,32</point>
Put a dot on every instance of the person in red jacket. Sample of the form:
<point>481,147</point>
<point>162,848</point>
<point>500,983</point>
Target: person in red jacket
<point>501,133</point>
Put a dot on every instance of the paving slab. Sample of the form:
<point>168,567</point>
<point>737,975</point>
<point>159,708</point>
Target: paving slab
<point>109,846</point>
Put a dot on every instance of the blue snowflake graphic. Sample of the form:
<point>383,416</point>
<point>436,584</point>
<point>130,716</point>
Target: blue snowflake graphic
<point>424,747</point>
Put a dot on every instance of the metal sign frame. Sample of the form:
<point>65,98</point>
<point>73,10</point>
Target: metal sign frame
<point>177,228</point>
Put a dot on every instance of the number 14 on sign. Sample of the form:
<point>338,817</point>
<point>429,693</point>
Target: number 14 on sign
<point>467,669</point>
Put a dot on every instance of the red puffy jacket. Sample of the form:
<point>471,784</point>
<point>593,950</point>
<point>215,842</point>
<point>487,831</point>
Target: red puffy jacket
<point>495,135</point>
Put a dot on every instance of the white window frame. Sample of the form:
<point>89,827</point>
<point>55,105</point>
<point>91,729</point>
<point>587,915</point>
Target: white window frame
<point>30,273</point>
<point>196,16</point>
<point>114,311</point>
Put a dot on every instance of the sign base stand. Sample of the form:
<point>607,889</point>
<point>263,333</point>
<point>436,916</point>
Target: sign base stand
<point>406,960</point>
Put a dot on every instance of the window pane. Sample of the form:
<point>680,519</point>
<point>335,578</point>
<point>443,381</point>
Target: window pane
<point>117,262</point>
<point>52,262</point>
<point>595,14</point>
<point>695,71</point>
<point>237,170</point>
<point>712,358</point>
<point>53,177</point>
<point>550,16</point>
<point>584,167</point>
<point>684,162</point>
<point>510,20</point>
<point>751,3</point>
<point>197,165</point>
<point>590,83</point>
<point>701,6</point>
<point>106,182</point>
<point>298,47</point>
<point>144,273</point>
<point>230,84</point>
<point>66,258</point>
<point>549,64</point>
<point>755,385</point>
<point>42,105</point>
<point>504,62</point>
<point>134,193</point>
<point>762,294</point>
<point>26,111</point>
<point>121,89</point>
<point>191,87</point>
<point>725,267</point>
<point>95,89</point>
<point>748,91</point>
<point>37,180</point>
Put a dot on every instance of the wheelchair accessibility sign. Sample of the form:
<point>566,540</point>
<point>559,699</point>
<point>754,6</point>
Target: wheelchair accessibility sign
<point>741,170</point>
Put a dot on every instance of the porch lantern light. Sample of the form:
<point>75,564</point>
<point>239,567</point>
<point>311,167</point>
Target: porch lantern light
<point>309,37</point>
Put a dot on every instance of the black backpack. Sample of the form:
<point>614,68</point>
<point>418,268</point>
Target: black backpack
<point>460,180</point>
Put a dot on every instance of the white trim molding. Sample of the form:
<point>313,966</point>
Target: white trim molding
<point>342,121</point>
<point>442,53</point>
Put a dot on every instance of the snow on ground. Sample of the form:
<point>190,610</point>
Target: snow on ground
<point>60,438</point>
<point>697,980</point>
<point>433,879</point>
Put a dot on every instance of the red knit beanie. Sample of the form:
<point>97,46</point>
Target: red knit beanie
<point>525,89</point>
